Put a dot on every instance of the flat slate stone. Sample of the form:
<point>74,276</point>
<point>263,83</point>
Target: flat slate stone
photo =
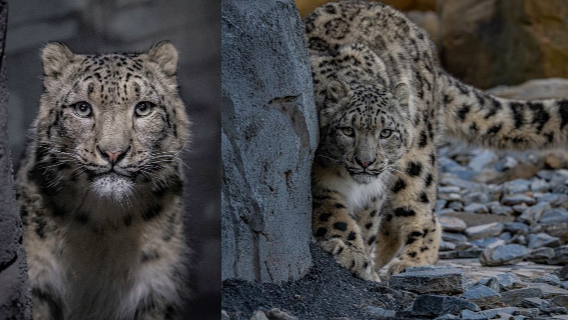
<point>492,313</point>
<point>560,256</point>
<point>452,224</point>
<point>484,231</point>
<point>482,296</point>
<point>502,255</point>
<point>439,280</point>
<point>515,297</point>
<point>540,255</point>
<point>434,305</point>
<point>508,281</point>
<point>542,239</point>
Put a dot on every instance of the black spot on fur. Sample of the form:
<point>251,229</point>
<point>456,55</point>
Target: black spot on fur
<point>127,220</point>
<point>563,111</point>
<point>428,180</point>
<point>540,116</point>
<point>424,197</point>
<point>371,240</point>
<point>463,111</point>
<point>412,254</point>
<point>388,217</point>
<point>341,226</point>
<point>369,225</point>
<point>321,232</point>
<point>339,206</point>
<point>414,169</point>
<point>494,129</point>
<point>423,142</point>
<point>399,185</point>
<point>325,217</point>
<point>352,235</point>
<point>82,217</point>
<point>402,212</point>
<point>517,110</point>
<point>422,249</point>
<point>373,213</point>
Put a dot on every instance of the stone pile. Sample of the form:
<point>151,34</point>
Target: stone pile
<point>503,207</point>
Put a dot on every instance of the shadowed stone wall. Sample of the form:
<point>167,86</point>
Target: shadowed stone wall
<point>14,294</point>
<point>268,140</point>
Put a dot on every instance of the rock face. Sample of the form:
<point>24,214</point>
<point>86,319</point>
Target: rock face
<point>430,280</point>
<point>14,296</point>
<point>492,42</point>
<point>268,141</point>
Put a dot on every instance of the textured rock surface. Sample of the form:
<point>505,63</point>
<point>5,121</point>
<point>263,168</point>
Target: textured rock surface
<point>434,280</point>
<point>504,254</point>
<point>268,140</point>
<point>433,305</point>
<point>488,43</point>
<point>14,295</point>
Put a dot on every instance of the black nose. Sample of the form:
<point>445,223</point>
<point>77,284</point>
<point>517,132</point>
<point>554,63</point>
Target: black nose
<point>365,163</point>
<point>113,156</point>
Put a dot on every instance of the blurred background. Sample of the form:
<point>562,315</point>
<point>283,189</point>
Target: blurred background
<point>88,26</point>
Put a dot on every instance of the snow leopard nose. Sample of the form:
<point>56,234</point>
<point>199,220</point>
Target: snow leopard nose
<point>365,163</point>
<point>113,156</point>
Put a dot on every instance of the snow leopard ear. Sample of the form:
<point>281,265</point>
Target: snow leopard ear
<point>55,57</point>
<point>336,89</point>
<point>166,56</point>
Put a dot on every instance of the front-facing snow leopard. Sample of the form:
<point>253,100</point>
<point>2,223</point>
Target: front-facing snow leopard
<point>100,187</point>
<point>383,103</point>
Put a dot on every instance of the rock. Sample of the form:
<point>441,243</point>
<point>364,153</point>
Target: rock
<point>471,29</point>
<point>488,242</point>
<point>533,214</point>
<point>447,246</point>
<point>540,240</point>
<point>484,231</point>
<point>482,160</point>
<point>482,296</point>
<point>548,291</point>
<point>476,208</point>
<point>515,297</point>
<point>535,303</point>
<point>492,313</point>
<point>433,305</point>
<point>561,300</point>
<point>516,186</point>
<point>491,282</point>
<point>453,237</point>
<point>554,216</point>
<point>555,199</point>
<point>505,236</point>
<point>539,185</point>
<point>529,312</point>
<point>225,315</point>
<point>556,159</point>
<point>455,205</point>
<point>440,204</point>
<point>474,219</point>
<point>449,189</point>
<point>502,255</point>
<point>508,281</point>
<point>547,278</point>
<point>516,199</point>
<point>379,313</point>
<point>560,256</point>
<point>439,280</point>
<point>475,197</point>
<point>267,96</point>
<point>452,224</point>
<point>277,314</point>
<point>502,210</point>
<point>446,317</point>
<point>540,255</point>
<point>257,315</point>
<point>563,273</point>
<point>470,315</point>
<point>534,90</point>
<point>516,228</point>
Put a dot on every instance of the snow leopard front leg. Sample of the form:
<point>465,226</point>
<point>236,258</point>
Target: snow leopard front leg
<point>409,220</point>
<point>339,234</point>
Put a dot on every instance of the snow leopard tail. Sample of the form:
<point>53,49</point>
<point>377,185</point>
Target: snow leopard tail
<point>488,121</point>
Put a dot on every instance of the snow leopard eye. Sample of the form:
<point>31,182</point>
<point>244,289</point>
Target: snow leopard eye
<point>83,109</point>
<point>385,133</point>
<point>144,108</point>
<point>347,131</point>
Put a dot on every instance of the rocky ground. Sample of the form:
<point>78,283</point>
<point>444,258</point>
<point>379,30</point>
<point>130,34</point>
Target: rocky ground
<point>505,221</point>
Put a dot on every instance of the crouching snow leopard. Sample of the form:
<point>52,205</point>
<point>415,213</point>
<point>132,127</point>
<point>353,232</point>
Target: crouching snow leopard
<point>100,187</point>
<point>383,103</point>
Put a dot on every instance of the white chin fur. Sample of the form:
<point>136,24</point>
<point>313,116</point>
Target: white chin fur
<point>113,186</point>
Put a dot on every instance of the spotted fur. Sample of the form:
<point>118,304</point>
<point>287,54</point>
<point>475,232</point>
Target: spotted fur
<point>100,187</point>
<point>374,70</point>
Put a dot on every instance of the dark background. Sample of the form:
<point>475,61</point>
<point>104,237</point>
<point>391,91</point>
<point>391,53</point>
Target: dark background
<point>88,26</point>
